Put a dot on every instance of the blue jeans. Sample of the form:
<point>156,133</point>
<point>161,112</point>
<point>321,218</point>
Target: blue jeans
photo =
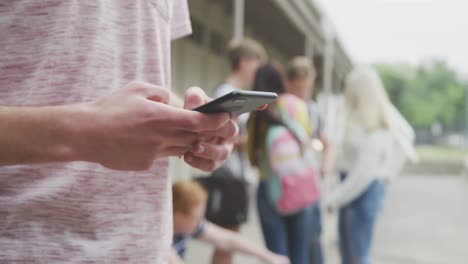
<point>285,235</point>
<point>356,224</point>
<point>315,225</point>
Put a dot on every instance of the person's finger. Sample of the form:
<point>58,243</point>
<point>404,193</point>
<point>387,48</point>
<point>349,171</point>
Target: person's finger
<point>176,151</point>
<point>195,97</point>
<point>197,122</point>
<point>207,138</point>
<point>188,120</point>
<point>178,138</point>
<point>151,92</point>
<point>216,152</point>
<point>201,163</point>
<point>227,132</point>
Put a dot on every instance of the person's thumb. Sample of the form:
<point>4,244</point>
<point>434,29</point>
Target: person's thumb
<point>194,97</point>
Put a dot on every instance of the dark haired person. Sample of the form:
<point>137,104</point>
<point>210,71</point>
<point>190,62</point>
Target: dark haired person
<point>283,234</point>
<point>228,200</point>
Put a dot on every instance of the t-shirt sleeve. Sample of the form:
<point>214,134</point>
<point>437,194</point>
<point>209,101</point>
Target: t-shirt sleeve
<point>180,22</point>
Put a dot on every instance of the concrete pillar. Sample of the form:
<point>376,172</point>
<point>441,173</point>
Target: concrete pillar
<point>328,65</point>
<point>330,221</point>
<point>239,14</point>
<point>328,59</point>
<point>309,48</point>
<point>466,118</point>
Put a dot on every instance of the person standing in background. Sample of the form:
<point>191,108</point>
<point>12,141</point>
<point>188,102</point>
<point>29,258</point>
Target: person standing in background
<point>83,146</point>
<point>377,142</point>
<point>229,208</point>
<point>284,234</point>
<point>300,80</point>
<point>245,57</point>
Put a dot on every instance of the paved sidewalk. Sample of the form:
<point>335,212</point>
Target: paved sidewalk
<point>425,220</point>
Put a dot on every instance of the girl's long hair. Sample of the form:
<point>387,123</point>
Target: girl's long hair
<point>268,78</point>
<point>367,104</point>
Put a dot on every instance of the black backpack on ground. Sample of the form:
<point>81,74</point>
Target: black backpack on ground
<point>227,198</point>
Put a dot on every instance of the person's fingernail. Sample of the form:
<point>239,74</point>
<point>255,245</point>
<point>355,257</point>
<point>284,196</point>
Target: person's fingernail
<point>188,158</point>
<point>200,149</point>
<point>263,107</point>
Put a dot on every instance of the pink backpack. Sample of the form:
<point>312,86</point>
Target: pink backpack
<point>292,179</point>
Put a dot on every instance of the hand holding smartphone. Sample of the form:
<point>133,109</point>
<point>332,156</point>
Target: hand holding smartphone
<point>238,102</point>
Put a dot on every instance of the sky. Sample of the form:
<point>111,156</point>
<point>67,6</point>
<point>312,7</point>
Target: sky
<point>408,31</point>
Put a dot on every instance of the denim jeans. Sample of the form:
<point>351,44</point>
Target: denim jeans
<point>315,234</point>
<point>285,235</point>
<point>356,224</point>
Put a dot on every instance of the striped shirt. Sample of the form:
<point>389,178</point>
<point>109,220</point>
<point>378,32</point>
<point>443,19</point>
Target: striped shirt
<point>55,52</point>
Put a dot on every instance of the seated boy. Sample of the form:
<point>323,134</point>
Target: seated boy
<point>189,202</point>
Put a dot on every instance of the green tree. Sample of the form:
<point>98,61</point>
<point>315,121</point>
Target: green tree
<point>427,93</point>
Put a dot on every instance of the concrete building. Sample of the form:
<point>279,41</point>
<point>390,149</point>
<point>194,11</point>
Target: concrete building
<point>285,28</point>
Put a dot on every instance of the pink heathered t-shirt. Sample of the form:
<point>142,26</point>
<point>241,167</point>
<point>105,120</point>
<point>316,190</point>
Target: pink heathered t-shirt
<point>55,52</point>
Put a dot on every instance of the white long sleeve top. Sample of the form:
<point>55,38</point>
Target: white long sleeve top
<point>366,156</point>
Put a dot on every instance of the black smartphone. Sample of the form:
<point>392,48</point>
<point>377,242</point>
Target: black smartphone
<point>238,102</point>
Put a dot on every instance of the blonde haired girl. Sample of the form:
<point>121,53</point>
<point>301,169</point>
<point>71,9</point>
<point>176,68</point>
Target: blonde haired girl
<point>377,142</point>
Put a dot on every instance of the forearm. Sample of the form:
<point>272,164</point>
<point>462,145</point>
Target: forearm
<point>126,130</point>
<point>233,242</point>
<point>350,189</point>
<point>37,134</point>
<point>239,244</point>
<point>329,156</point>
<point>359,177</point>
<point>236,243</point>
